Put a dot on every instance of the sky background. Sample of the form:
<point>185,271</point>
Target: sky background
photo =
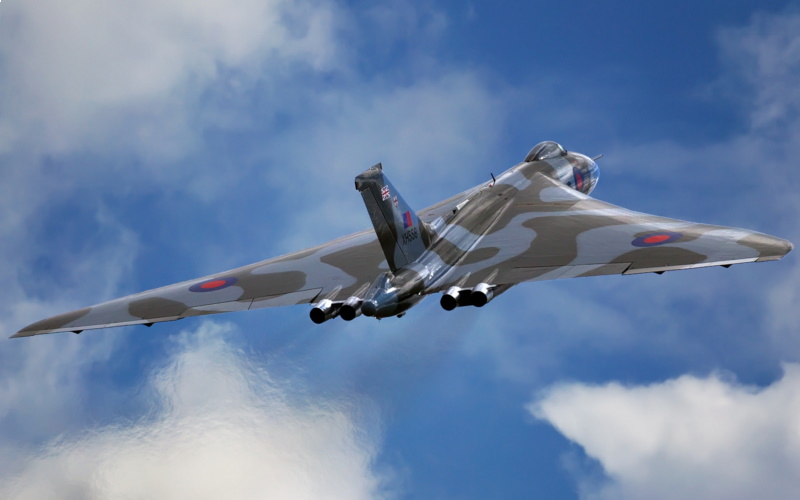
<point>146,143</point>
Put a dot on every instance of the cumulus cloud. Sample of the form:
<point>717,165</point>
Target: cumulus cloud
<point>215,424</point>
<point>689,437</point>
<point>94,75</point>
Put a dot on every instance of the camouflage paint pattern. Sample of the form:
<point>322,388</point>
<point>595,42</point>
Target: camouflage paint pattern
<point>534,222</point>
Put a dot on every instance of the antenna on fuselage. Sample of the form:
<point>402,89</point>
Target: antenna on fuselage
<point>494,181</point>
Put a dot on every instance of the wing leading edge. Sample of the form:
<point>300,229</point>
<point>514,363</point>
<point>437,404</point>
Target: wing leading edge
<point>337,268</point>
<point>550,231</point>
<point>532,223</point>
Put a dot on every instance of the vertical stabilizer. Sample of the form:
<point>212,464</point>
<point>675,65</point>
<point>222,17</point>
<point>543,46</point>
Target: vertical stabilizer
<point>402,235</point>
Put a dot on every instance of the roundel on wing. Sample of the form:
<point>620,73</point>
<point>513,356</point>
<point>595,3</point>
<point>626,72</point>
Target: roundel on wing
<point>213,284</point>
<point>656,239</point>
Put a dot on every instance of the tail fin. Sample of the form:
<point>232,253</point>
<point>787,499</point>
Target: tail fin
<point>402,235</point>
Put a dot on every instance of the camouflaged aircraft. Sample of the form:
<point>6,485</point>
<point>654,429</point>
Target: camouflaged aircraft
<point>534,222</point>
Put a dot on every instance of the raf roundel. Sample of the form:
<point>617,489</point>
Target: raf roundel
<point>656,239</point>
<point>213,285</point>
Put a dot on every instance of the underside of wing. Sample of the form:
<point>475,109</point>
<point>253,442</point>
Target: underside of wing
<point>550,231</point>
<point>337,269</point>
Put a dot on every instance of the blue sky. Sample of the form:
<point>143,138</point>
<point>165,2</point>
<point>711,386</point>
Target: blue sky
<point>148,144</point>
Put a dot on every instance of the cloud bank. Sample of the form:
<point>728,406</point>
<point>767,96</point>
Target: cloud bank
<point>689,437</point>
<point>94,75</point>
<point>216,425</point>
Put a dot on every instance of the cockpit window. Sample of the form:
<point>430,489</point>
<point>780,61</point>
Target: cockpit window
<point>545,150</point>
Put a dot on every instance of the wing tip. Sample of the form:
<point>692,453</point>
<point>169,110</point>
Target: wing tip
<point>22,333</point>
<point>776,249</point>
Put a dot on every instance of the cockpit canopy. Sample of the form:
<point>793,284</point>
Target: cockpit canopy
<point>545,150</point>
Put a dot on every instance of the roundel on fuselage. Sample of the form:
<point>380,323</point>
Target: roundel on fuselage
<point>545,150</point>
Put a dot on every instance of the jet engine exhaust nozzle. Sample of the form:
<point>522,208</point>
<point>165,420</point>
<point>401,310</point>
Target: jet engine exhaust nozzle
<point>451,298</point>
<point>323,311</point>
<point>351,309</point>
<point>481,295</point>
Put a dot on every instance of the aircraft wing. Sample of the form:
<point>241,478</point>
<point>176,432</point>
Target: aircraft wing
<point>446,207</point>
<point>338,267</point>
<point>551,231</point>
<point>544,231</point>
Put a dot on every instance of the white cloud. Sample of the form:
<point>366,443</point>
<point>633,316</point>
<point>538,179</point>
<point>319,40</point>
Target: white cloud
<point>765,56</point>
<point>41,379</point>
<point>42,384</point>
<point>92,75</point>
<point>684,438</point>
<point>215,425</point>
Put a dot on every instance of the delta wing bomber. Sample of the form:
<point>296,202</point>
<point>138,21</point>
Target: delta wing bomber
<point>534,222</point>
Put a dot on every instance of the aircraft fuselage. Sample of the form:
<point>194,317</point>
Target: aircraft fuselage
<point>454,236</point>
